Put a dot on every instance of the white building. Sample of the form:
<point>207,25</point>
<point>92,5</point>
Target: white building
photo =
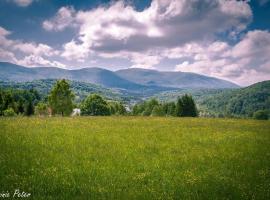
<point>76,112</point>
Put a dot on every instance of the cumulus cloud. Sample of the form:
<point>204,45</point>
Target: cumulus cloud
<point>183,30</point>
<point>23,3</point>
<point>165,24</point>
<point>25,47</point>
<point>36,49</point>
<point>73,50</point>
<point>246,62</point>
<point>175,29</point>
<point>146,61</point>
<point>37,61</point>
<point>7,56</point>
<point>63,18</point>
<point>4,42</point>
<point>33,53</point>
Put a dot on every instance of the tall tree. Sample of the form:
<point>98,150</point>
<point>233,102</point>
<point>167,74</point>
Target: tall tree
<point>29,108</point>
<point>61,98</point>
<point>117,108</point>
<point>158,110</point>
<point>95,105</point>
<point>189,108</point>
<point>149,107</point>
<point>179,107</point>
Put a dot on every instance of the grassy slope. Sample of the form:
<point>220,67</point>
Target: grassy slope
<point>135,158</point>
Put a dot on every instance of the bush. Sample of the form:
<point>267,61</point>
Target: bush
<point>41,109</point>
<point>158,111</point>
<point>117,108</point>
<point>9,112</point>
<point>261,115</point>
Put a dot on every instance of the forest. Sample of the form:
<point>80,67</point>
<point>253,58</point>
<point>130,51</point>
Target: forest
<point>34,98</point>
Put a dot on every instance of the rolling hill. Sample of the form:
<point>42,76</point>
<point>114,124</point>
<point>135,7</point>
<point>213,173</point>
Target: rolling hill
<point>226,102</point>
<point>130,79</point>
<point>106,78</point>
<point>240,102</point>
<point>80,89</point>
<point>173,79</point>
<point>211,102</point>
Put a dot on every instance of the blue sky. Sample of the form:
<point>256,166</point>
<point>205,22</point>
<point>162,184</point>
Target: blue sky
<point>224,39</point>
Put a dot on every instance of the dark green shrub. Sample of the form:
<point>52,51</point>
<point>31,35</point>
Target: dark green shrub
<point>261,115</point>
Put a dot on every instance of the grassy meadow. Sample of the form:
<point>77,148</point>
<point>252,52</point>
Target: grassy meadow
<point>135,158</point>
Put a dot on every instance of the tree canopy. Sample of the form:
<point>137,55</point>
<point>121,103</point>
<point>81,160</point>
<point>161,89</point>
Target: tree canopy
<point>61,98</point>
<point>22,102</point>
<point>186,107</point>
<point>95,105</point>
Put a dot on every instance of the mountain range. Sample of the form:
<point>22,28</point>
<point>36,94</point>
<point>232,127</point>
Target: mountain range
<point>213,96</point>
<point>127,79</point>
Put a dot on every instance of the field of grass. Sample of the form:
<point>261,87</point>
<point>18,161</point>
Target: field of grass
<point>135,158</point>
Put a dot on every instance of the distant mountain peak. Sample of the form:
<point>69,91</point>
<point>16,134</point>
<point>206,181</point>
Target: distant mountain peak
<point>129,79</point>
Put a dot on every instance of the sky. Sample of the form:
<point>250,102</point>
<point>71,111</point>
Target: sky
<point>226,39</point>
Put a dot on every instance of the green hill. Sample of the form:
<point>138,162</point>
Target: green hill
<point>240,102</point>
<point>80,89</point>
<point>226,102</point>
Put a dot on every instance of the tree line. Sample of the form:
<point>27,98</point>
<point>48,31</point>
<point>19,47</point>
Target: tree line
<point>18,102</point>
<point>60,101</point>
<point>183,107</point>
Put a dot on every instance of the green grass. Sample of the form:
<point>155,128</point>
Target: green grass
<point>135,158</point>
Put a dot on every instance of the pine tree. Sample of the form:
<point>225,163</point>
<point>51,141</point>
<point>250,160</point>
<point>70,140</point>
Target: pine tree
<point>179,108</point>
<point>188,107</point>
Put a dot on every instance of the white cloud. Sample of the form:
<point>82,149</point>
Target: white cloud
<point>146,61</point>
<point>184,30</point>
<point>74,51</point>
<point>24,47</point>
<point>23,3</point>
<point>36,49</point>
<point>37,61</point>
<point>254,44</point>
<point>4,32</point>
<point>181,66</point>
<point>245,63</point>
<point>7,56</point>
<point>4,42</point>
<point>33,53</point>
<point>165,24</point>
<point>63,18</point>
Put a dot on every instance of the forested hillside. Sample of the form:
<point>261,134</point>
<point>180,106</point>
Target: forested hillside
<point>239,102</point>
<point>226,102</point>
<point>81,89</point>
